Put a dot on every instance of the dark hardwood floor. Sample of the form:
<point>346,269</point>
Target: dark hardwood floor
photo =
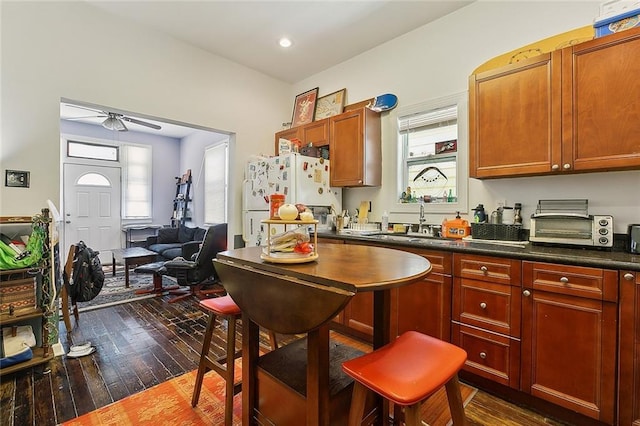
<point>139,345</point>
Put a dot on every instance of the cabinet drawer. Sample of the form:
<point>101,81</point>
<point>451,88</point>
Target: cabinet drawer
<point>485,268</point>
<point>582,281</point>
<point>489,355</point>
<point>495,307</point>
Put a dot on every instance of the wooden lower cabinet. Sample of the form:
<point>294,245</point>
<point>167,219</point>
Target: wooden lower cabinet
<point>629,350</point>
<point>423,306</point>
<point>486,316</point>
<point>569,326</point>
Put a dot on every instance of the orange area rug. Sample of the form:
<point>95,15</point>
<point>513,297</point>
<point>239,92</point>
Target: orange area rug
<point>169,403</point>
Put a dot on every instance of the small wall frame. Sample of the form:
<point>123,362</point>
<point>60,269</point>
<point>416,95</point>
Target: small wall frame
<point>16,178</point>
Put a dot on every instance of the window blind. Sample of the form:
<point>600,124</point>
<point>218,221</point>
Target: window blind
<point>215,183</point>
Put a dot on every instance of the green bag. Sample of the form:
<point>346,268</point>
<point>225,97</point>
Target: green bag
<point>10,260</point>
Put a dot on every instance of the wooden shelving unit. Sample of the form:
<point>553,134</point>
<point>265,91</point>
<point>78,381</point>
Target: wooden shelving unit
<point>45,280</point>
<point>181,212</point>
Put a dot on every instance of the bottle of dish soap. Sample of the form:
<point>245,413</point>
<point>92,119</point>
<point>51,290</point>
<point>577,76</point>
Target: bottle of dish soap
<point>479,215</point>
<point>385,222</point>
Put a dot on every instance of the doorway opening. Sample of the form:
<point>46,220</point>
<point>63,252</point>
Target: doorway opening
<point>137,196</point>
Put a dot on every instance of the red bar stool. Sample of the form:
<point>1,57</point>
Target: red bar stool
<point>406,372</point>
<point>226,308</point>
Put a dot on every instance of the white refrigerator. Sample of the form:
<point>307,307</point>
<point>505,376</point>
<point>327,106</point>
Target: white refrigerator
<point>301,179</point>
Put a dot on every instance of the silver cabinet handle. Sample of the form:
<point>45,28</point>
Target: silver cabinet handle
<point>555,167</point>
<point>484,268</point>
<point>483,355</point>
<point>564,280</point>
<point>526,293</point>
<point>483,305</point>
<point>628,276</point>
<point>566,166</point>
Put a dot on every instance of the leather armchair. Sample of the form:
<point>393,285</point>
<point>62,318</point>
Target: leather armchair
<point>195,268</point>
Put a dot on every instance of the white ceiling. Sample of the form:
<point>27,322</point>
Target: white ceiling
<point>324,32</point>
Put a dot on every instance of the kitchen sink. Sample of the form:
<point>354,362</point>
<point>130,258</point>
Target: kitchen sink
<point>413,238</point>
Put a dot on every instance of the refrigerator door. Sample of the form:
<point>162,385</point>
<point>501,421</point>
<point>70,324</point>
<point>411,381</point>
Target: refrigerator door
<point>253,231</point>
<point>265,177</point>
<point>312,178</point>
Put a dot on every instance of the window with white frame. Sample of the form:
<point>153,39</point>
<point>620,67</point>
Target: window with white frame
<point>94,151</point>
<point>432,142</point>
<point>216,183</point>
<point>136,181</point>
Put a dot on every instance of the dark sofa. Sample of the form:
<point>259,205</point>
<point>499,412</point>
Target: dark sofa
<point>173,242</point>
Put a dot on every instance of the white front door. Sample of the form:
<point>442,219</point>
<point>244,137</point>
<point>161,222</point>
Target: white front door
<point>92,207</point>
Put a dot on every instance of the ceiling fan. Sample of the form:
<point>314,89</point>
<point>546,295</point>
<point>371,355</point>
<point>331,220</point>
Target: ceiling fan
<point>113,120</point>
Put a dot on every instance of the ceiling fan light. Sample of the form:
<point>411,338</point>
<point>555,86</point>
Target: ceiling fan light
<point>113,123</point>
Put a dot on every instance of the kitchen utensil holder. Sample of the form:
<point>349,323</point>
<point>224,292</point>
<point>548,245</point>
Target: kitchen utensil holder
<point>495,231</point>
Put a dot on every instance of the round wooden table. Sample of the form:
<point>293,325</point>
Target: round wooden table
<point>303,298</point>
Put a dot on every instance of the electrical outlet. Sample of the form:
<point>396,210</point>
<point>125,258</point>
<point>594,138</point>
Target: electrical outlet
<point>501,203</point>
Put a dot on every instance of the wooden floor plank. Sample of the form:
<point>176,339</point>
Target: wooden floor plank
<point>43,398</point>
<point>7,397</point>
<point>23,409</point>
<point>151,341</point>
<point>63,405</point>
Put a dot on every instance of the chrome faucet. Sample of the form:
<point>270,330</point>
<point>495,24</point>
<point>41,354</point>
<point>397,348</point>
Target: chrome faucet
<point>421,218</point>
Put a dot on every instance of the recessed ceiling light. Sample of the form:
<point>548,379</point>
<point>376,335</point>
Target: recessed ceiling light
<point>285,42</point>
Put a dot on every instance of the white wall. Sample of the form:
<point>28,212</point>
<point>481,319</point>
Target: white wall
<point>54,50</point>
<point>435,61</point>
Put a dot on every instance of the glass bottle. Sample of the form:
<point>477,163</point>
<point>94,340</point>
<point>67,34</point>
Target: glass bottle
<point>517,214</point>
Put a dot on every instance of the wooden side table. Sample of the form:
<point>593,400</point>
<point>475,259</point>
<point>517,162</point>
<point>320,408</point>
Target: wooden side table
<point>132,256</point>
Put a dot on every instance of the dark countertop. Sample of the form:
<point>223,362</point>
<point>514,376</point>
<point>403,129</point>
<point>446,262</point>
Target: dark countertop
<point>610,259</point>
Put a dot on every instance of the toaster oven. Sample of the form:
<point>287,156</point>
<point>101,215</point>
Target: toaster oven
<point>567,222</point>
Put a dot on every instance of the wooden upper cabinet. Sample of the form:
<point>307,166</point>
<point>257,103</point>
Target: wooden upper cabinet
<point>601,103</point>
<point>514,117</point>
<point>355,148</point>
<point>316,133</point>
<point>571,110</point>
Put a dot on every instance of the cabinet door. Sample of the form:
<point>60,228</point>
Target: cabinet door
<point>569,352</point>
<point>358,314</point>
<point>295,132</point>
<point>425,306</point>
<point>515,118</point>
<point>601,103</point>
<point>316,133</point>
<point>355,148</point>
<point>629,350</point>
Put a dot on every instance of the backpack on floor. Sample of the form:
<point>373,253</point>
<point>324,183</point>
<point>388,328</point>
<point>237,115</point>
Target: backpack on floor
<point>87,274</point>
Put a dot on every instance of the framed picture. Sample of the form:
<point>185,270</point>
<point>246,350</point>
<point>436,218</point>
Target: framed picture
<point>16,178</point>
<point>304,107</point>
<point>331,104</point>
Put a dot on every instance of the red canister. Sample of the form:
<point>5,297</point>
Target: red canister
<point>275,201</point>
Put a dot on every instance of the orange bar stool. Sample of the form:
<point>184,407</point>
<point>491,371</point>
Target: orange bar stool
<point>406,372</point>
<point>226,308</point>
